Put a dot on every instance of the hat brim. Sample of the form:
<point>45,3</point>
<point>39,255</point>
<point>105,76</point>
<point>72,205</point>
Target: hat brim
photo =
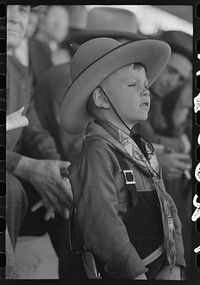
<point>86,35</point>
<point>152,54</point>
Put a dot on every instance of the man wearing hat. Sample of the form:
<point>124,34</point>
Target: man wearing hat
<point>177,71</point>
<point>37,176</point>
<point>122,227</point>
<point>108,22</point>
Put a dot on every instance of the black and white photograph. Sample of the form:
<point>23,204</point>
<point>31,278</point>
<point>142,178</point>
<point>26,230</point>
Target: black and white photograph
<point>100,180</point>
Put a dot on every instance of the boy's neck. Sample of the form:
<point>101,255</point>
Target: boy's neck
<point>115,125</point>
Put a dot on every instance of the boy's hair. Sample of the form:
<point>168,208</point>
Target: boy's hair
<point>91,106</point>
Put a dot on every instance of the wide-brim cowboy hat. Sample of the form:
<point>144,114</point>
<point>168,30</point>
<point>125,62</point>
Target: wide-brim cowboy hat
<point>179,42</point>
<point>109,22</point>
<point>94,61</point>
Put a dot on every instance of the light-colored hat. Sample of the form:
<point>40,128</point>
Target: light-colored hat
<point>108,22</point>
<point>179,42</point>
<point>78,17</point>
<point>94,61</point>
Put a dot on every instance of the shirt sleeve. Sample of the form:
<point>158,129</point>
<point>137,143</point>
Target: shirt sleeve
<point>103,231</point>
<point>12,159</point>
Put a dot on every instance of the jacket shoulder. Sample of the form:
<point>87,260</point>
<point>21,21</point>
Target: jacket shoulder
<point>97,145</point>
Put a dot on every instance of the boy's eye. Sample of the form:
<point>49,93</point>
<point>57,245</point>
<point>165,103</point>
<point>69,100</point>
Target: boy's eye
<point>132,84</point>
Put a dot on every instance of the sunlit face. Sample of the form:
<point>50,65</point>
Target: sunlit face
<point>178,69</point>
<point>127,90</point>
<point>17,22</point>
<point>57,23</point>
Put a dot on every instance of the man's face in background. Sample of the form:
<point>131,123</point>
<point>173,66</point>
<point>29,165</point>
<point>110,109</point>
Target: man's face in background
<point>56,23</point>
<point>17,22</point>
<point>178,69</point>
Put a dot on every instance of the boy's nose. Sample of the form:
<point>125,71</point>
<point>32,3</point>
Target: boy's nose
<point>145,92</point>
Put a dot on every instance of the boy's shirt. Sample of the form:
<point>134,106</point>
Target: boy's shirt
<point>101,202</point>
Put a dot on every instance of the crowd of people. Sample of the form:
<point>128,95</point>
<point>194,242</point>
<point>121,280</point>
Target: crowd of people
<point>86,79</point>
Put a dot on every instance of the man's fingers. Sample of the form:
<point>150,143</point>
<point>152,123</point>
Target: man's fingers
<point>181,166</point>
<point>56,202</point>
<point>64,172</point>
<point>37,206</point>
<point>63,164</point>
<point>66,213</point>
<point>49,213</point>
<point>51,200</point>
<point>181,156</point>
<point>65,192</point>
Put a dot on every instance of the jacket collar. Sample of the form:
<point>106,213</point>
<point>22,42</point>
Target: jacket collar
<point>117,139</point>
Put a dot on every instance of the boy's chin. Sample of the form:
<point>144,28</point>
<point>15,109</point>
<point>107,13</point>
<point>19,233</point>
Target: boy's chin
<point>142,119</point>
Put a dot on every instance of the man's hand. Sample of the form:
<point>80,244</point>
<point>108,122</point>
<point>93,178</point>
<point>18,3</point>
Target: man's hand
<point>174,164</point>
<point>165,274</point>
<point>45,176</point>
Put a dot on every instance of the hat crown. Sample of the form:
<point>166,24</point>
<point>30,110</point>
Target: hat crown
<point>89,52</point>
<point>112,19</point>
<point>78,16</point>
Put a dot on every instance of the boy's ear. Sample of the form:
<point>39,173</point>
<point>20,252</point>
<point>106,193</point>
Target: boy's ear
<point>100,99</point>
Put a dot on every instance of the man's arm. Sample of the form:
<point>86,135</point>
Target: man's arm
<point>43,170</point>
<point>46,177</point>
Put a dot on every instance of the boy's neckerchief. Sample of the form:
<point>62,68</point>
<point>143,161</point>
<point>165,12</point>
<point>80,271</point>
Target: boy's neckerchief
<point>149,167</point>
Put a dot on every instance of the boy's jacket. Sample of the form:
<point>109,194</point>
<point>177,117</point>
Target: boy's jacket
<point>100,197</point>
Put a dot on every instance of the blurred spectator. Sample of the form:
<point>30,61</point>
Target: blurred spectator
<point>32,24</point>
<point>177,107</point>
<point>178,70</point>
<point>33,53</point>
<point>36,177</point>
<point>53,30</point>
<point>52,87</point>
<point>170,108</point>
<point>77,22</point>
<point>177,110</point>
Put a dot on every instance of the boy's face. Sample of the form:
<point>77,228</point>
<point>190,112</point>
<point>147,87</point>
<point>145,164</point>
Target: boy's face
<point>17,22</point>
<point>127,90</point>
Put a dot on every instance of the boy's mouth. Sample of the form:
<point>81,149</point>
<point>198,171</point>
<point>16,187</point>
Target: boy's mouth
<point>145,104</point>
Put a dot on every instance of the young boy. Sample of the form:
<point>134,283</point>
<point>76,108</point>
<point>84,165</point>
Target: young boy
<point>134,233</point>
